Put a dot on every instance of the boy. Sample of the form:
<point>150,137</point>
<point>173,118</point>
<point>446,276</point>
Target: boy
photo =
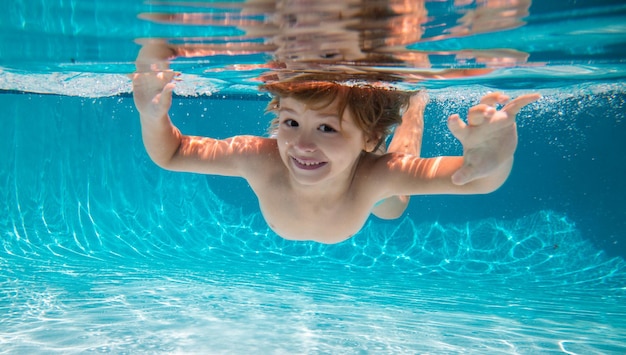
<point>319,178</point>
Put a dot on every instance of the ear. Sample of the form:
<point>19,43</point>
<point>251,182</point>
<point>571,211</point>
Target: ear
<point>374,145</point>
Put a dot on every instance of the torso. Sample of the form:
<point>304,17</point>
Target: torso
<point>295,217</point>
<point>324,223</point>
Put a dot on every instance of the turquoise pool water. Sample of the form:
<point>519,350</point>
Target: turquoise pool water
<point>102,251</point>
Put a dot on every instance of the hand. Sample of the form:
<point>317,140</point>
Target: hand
<point>152,82</point>
<point>155,55</point>
<point>152,92</point>
<point>489,138</point>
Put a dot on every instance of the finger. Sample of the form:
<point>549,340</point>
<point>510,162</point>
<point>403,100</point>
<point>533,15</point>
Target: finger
<point>494,98</point>
<point>167,75</point>
<point>464,175</point>
<point>165,98</point>
<point>456,126</point>
<point>169,87</point>
<point>160,66</point>
<point>516,105</point>
<point>479,113</point>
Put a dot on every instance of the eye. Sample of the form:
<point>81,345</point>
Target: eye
<point>327,129</point>
<point>330,55</point>
<point>290,123</point>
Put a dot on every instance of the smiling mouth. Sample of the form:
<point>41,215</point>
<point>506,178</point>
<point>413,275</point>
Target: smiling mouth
<point>308,165</point>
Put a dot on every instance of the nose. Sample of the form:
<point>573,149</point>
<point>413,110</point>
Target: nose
<point>305,142</point>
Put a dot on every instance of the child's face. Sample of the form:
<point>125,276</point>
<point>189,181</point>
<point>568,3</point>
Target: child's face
<point>316,145</point>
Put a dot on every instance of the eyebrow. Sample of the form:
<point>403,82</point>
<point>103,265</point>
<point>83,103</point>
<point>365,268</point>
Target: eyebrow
<point>286,109</point>
<point>329,115</point>
<point>333,115</point>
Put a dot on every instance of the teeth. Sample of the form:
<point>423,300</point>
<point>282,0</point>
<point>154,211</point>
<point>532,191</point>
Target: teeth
<point>308,163</point>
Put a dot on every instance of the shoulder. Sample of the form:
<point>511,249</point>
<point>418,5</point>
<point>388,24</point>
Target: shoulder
<point>258,155</point>
<point>374,166</point>
<point>371,176</point>
<point>380,176</point>
<point>403,174</point>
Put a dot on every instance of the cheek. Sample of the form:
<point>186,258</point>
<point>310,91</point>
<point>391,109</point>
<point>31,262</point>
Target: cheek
<point>282,137</point>
<point>282,144</point>
<point>345,149</point>
<point>357,142</point>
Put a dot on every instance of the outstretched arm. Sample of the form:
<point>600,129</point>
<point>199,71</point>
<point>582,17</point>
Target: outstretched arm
<point>166,146</point>
<point>489,140</point>
<point>152,93</point>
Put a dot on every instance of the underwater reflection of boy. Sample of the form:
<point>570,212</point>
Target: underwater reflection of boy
<point>320,177</point>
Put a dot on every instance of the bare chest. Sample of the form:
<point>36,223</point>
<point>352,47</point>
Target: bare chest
<point>296,219</point>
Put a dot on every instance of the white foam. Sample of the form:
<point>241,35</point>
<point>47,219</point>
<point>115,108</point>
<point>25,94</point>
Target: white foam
<point>91,84</point>
<point>96,84</point>
<point>69,83</point>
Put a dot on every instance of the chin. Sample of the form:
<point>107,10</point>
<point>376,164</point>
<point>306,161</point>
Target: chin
<point>308,180</point>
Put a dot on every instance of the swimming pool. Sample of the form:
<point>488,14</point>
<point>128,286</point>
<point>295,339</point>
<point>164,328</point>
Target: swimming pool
<point>102,251</point>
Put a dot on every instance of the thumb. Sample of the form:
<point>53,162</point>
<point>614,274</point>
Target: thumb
<point>165,97</point>
<point>464,175</point>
